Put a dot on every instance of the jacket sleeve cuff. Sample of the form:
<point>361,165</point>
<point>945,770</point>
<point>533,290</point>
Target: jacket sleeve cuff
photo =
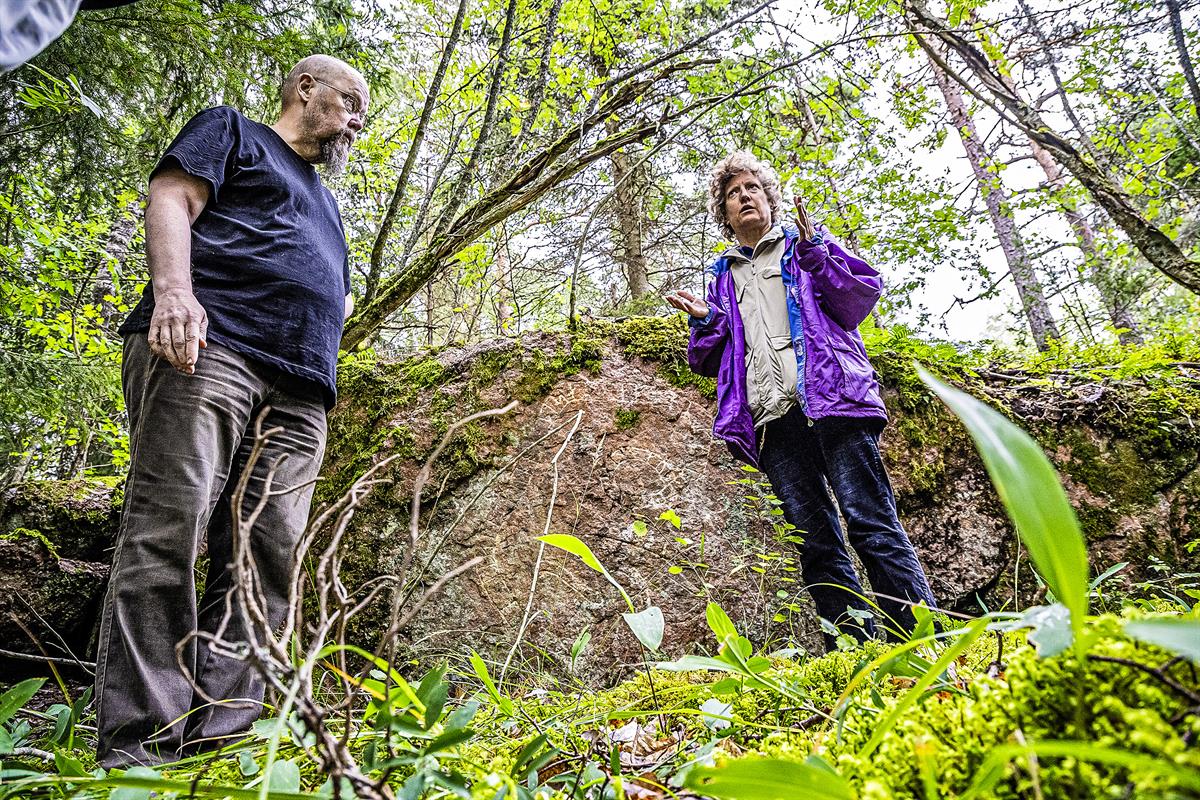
<point>810,261</point>
<point>702,323</point>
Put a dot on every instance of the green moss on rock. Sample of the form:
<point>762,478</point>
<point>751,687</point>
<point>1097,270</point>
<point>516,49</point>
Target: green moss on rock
<point>24,534</point>
<point>664,341</point>
<point>626,418</point>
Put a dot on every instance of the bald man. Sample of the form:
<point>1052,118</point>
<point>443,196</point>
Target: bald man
<point>249,290</point>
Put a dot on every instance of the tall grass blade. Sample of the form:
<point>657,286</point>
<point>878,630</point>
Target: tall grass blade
<point>884,727</point>
<point>992,771</point>
<point>1032,494</point>
<point>18,696</point>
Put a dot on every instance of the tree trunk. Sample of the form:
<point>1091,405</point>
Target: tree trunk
<point>116,251</point>
<point>469,171</point>
<point>629,185</point>
<point>429,321</point>
<point>538,90</point>
<point>1095,267</point>
<point>1156,246</point>
<point>1060,89</point>
<point>375,271</point>
<point>1185,60</point>
<point>1029,288</point>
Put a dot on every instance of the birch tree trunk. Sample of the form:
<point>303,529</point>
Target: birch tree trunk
<point>1185,60</point>
<point>504,295</point>
<point>1158,248</point>
<point>1029,287</point>
<point>1095,267</point>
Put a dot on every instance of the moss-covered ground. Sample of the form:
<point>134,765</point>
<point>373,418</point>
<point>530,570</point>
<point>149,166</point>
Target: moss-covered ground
<point>645,734</point>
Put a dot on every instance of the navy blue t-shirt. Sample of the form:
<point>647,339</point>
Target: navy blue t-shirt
<point>269,256</point>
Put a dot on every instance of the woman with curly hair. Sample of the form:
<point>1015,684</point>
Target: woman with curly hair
<point>797,396</point>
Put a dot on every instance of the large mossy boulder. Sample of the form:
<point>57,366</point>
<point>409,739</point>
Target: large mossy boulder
<point>56,542</point>
<point>677,522</point>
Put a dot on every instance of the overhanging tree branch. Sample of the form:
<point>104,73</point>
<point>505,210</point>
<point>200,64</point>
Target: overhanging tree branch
<point>531,180</point>
<point>1163,253</point>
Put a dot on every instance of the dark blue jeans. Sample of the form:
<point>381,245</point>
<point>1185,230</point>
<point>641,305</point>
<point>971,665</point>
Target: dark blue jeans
<point>804,460</point>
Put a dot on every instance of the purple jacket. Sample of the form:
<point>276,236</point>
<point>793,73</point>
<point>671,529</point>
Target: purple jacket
<point>834,292</point>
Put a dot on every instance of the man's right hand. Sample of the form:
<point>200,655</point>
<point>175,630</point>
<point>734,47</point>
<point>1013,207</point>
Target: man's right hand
<point>179,324</point>
<point>178,329</point>
<point>686,301</point>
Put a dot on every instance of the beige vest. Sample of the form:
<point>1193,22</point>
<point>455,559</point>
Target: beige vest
<point>771,375</point>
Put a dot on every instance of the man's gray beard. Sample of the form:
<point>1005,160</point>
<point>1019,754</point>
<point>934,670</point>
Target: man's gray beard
<point>335,153</point>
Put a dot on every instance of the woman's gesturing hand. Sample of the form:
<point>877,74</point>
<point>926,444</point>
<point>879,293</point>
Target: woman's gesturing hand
<point>686,301</point>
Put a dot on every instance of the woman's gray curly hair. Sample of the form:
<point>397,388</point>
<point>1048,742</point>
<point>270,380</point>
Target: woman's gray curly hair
<point>733,164</point>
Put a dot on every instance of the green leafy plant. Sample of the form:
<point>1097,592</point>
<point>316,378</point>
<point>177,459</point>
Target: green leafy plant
<point>770,779</point>
<point>1030,490</point>
<point>647,625</point>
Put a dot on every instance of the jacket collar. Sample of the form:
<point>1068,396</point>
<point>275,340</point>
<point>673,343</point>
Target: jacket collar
<point>724,262</point>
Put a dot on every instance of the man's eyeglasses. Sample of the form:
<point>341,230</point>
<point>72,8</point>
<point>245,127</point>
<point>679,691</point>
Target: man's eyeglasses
<point>350,101</point>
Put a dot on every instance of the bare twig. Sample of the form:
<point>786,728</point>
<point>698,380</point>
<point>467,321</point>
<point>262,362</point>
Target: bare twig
<point>1155,672</point>
<point>537,564</point>
<point>286,659</point>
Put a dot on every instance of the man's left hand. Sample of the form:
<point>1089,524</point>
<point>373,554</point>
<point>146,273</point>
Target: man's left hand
<point>802,220</point>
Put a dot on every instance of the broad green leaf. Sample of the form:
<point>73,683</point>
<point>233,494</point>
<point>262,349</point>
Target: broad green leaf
<point>639,527</point>
<point>1051,625</point>
<point>18,696</point>
<point>1179,635</point>
<point>768,779</point>
<point>1031,492</point>
<point>536,753</point>
<point>715,714</point>
<point>647,626</point>
<point>267,728</point>
<point>575,546</point>
<point>454,783</point>
<point>481,672</point>
<point>135,793</point>
<point>448,739</point>
<point>432,692</point>
<point>670,516</point>
<point>461,717</point>
<point>689,663</point>
<point>720,623</point>
<point>247,764</point>
<point>69,766</point>
<point>285,777</point>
